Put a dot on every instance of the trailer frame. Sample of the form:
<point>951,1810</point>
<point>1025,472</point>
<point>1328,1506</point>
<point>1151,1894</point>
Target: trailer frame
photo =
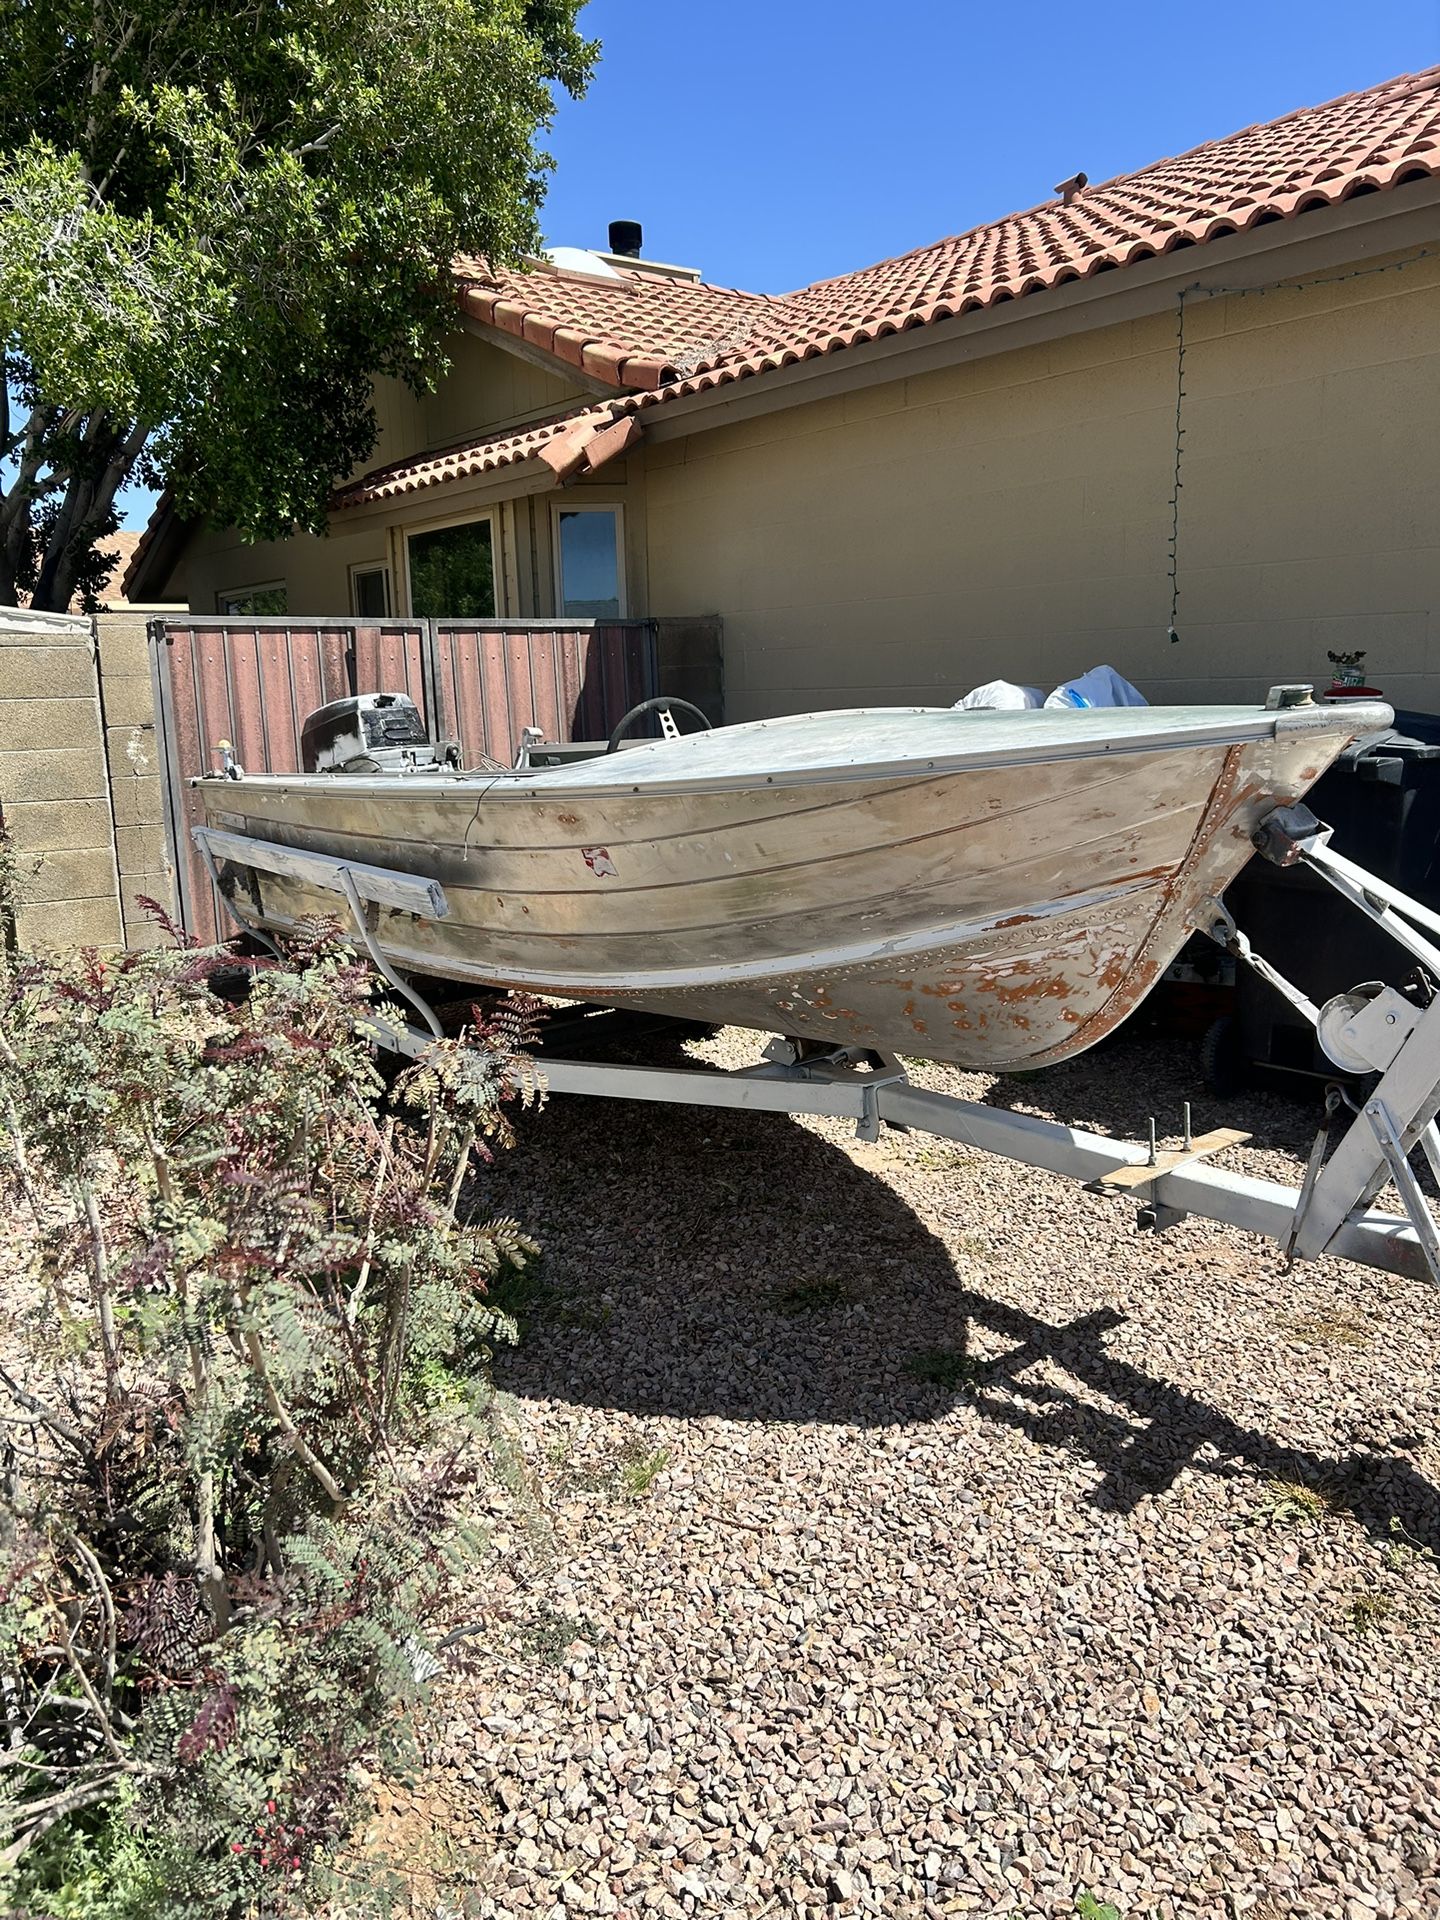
<point>1370,1030</point>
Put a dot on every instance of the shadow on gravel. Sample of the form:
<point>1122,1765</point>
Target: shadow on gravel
<point>704,1263</point>
<point>1141,1461</point>
<point>713,1263</point>
<point>1117,1087</point>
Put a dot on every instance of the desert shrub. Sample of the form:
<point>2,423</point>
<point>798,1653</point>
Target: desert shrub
<point>234,1487</point>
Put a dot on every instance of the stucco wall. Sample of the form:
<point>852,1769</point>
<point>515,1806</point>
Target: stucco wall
<point>1011,517</point>
<point>315,572</point>
<point>484,389</point>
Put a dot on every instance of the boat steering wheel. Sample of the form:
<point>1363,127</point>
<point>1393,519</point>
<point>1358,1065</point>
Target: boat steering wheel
<point>661,704</point>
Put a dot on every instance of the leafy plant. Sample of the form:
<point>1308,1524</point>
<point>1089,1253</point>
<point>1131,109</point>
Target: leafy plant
<point>1370,1612</point>
<point>1089,1908</point>
<point>1293,1500</point>
<point>812,1296</point>
<point>640,1470</point>
<point>549,1634</point>
<point>216,225</point>
<point>1404,1553</point>
<point>947,1367</point>
<point>238,1485</point>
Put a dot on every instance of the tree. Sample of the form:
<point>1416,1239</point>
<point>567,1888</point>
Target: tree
<point>219,220</point>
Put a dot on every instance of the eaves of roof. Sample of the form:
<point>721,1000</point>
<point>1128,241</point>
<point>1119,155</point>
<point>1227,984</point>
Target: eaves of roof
<point>657,340</point>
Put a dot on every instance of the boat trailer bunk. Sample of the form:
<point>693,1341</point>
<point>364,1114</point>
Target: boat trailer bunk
<point>1388,1040</point>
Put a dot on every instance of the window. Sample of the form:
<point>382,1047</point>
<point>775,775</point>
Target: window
<point>254,600</point>
<point>452,572</point>
<point>590,573</point>
<point>370,592</point>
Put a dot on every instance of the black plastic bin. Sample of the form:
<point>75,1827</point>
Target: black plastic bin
<point>1382,797</point>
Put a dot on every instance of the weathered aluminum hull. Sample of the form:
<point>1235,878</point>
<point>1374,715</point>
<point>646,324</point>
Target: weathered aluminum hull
<point>1008,909</point>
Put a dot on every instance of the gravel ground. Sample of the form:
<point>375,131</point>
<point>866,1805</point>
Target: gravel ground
<point>907,1535</point>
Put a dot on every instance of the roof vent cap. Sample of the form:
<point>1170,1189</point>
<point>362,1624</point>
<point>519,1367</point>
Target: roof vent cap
<point>627,237</point>
<point>1067,189</point>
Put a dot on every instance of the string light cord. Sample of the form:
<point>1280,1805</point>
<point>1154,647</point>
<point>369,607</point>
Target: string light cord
<point>1197,290</point>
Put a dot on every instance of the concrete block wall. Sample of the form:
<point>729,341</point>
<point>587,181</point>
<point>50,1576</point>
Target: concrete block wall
<point>54,783</point>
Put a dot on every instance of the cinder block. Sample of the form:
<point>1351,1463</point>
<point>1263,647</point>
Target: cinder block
<point>44,673</point>
<point>71,773</point>
<point>17,638</point>
<point>139,850</point>
<point>87,874</point>
<point>48,723</point>
<point>52,826</point>
<point>61,926</point>
<point>158,886</point>
<point>129,700</point>
<point>142,934</point>
<point>124,644</point>
<point>138,798</point>
<point>134,749</point>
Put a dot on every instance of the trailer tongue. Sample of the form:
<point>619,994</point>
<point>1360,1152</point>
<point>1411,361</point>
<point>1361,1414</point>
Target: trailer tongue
<point>1362,1146</point>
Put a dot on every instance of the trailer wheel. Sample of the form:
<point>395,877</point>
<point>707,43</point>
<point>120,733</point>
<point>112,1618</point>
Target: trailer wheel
<point>1223,1066</point>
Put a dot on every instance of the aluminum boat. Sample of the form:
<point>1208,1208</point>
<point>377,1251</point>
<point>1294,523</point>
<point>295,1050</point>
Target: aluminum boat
<point>992,889</point>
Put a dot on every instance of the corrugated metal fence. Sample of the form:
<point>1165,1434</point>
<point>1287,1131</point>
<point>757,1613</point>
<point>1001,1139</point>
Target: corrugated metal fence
<point>252,681</point>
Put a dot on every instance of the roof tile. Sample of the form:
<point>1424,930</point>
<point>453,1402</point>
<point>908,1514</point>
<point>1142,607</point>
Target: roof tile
<point>657,338</point>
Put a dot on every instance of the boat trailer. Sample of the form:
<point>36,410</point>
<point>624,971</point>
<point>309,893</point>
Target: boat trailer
<point>1372,1033</point>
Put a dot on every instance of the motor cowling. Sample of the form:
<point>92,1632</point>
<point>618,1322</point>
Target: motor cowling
<point>372,733</point>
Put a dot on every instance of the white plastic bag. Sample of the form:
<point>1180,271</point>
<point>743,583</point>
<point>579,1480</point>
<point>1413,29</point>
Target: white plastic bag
<point>1100,687</point>
<point>1002,696</point>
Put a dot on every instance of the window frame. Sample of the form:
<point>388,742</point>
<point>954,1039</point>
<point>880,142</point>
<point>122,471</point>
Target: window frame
<point>241,593</point>
<point>616,507</point>
<point>382,567</point>
<point>410,530</point>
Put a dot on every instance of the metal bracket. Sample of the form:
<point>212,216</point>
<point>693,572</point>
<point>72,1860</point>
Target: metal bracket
<point>811,1060</point>
<point>366,915</point>
<point>364,888</point>
<point>1215,920</point>
<point>1393,1147</point>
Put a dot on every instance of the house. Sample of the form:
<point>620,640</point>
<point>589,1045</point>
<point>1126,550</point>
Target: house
<point>959,463</point>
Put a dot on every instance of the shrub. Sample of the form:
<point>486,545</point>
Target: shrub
<point>235,1484</point>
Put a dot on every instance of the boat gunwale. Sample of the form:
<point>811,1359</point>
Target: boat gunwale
<point>1244,727</point>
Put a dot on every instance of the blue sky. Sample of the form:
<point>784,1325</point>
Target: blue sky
<point>774,144</point>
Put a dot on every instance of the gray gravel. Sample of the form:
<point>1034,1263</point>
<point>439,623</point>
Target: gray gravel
<point>1135,1595</point>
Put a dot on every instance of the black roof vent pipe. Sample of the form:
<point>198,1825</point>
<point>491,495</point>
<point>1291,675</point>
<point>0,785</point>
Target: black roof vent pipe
<point>627,237</point>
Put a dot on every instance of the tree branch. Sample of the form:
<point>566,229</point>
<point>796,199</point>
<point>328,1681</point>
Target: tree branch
<point>54,1423</point>
<point>301,1446</point>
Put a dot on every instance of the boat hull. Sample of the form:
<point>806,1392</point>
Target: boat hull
<point>1000,914</point>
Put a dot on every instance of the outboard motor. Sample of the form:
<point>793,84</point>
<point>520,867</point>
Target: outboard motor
<point>372,733</point>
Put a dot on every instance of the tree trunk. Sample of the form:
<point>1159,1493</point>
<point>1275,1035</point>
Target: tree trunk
<point>92,465</point>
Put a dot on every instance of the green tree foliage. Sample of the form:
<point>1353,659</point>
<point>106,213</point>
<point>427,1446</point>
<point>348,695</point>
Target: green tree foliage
<point>218,221</point>
<point>238,1418</point>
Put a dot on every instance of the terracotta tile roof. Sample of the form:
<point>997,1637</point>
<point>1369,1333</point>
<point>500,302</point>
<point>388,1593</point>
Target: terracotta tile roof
<point>648,334</point>
<point>633,331</point>
<point>463,463</point>
<point>657,339</point>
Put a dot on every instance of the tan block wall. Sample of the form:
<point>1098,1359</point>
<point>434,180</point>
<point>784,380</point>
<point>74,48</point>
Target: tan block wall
<point>132,759</point>
<point>1011,517</point>
<point>54,791</point>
